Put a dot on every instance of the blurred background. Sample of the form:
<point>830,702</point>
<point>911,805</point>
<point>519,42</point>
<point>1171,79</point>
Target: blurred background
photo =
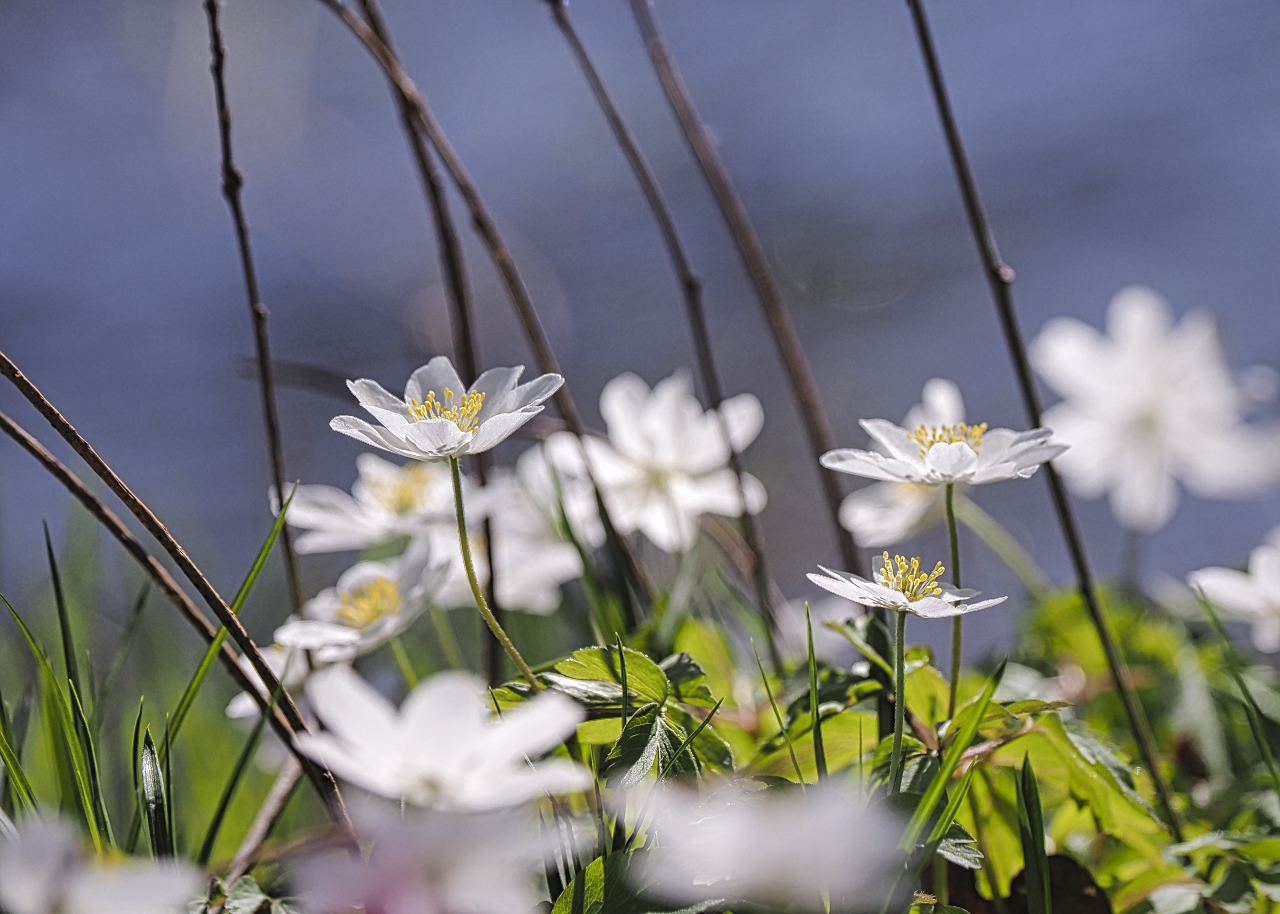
<point>1115,144</point>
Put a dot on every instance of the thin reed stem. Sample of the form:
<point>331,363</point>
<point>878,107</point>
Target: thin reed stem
<point>477,592</point>
<point>424,120</point>
<point>232,182</point>
<point>268,814</point>
<point>1007,549</point>
<point>956,627</point>
<point>899,702</point>
<point>402,661</point>
<point>466,348</point>
<point>803,387</point>
<point>448,641</point>
<point>324,781</point>
<point>691,287</point>
<point>162,579</point>
<point>1000,278</point>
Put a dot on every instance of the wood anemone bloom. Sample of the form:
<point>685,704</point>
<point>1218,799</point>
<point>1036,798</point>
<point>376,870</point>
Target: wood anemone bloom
<point>905,588</point>
<point>439,417</point>
<point>1252,596</point>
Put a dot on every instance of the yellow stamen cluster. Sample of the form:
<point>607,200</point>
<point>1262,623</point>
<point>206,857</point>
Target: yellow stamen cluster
<point>366,604</point>
<point>928,435</point>
<point>411,490</point>
<point>907,578</point>
<point>462,414</point>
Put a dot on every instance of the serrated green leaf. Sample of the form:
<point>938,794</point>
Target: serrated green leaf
<point>688,681</point>
<point>603,664</point>
<point>636,751</point>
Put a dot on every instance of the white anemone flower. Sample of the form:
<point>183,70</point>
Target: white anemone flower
<point>1147,406</point>
<point>776,849</point>
<point>386,502</point>
<point>372,603</point>
<point>439,417</point>
<point>431,862</point>
<point>885,513</point>
<point>443,748</point>
<point>903,587</point>
<point>666,462</point>
<point>290,667</point>
<point>1250,597</point>
<point>945,454</point>
<point>43,870</point>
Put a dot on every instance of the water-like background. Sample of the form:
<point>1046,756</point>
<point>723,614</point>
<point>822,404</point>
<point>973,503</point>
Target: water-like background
<point>1115,143</point>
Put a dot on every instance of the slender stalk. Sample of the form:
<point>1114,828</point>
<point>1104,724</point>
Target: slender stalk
<point>899,702</point>
<point>1000,277</point>
<point>1007,549</point>
<point>293,722</point>
<point>269,813</point>
<point>162,579</point>
<point>466,348</point>
<point>402,661</point>
<point>448,642</point>
<point>803,387</point>
<point>477,592</point>
<point>691,287</point>
<point>955,620</point>
<point>232,182</point>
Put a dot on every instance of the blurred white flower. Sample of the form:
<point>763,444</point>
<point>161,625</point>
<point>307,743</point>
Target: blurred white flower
<point>666,462</point>
<point>885,513</point>
<point>386,502</point>
<point>903,586</point>
<point>778,849</point>
<point>440,417</point>
<point>1150,405</point>
<point>937,454</point>
<point>372,603</point>
<point>290,667</point>
<point>431,862</point>
<point>443,749</point>
<point>1251,597</point>
<point>44,871</point>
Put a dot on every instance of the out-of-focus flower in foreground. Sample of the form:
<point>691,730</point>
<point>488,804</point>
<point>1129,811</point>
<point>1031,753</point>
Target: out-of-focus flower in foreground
<point>1251,597</point>
<point>431,862</point>
<point>885,513</point>
<point>386,502</point>
<point>777,849</point>
<point>1147,406</point>
<point>439,417</point>
<point>945,453</point>
<point>666,462</point>
<point>372,603</point>
<point>443,749</point>
<point>904,587</point>
<point>44,871</point>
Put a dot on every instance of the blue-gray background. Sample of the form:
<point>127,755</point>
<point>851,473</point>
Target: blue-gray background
<point>1116,143</point>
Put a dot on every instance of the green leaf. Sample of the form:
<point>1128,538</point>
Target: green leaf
<point>709,746</point>
<point>960,847</point>
<point>819,755</point>
<point>633,756</point>
<point>615,885</point>
<point>1035,861</point>
<point>688,680</point>
<point>247,897</point>
<point>604,664</point>
<point>856,631</point>
<point>155,799</point>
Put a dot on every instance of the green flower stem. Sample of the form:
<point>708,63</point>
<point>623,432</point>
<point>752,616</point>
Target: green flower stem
<point>899,702</point>
<point>402,659</point>
<point>1007,549</point>
<point>477,591</point>
<point>956,621</point>
<point>448,641</point>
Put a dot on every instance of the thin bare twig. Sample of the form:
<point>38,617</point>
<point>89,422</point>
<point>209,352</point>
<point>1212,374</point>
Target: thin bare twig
<point>691,286</point>
<point>326,784</point>
<point>268,814</point>
<point>803,387</point>
<point>160,575</point>
<point>232,181</point>
<point>466,347</point>
<point>1000,278</point>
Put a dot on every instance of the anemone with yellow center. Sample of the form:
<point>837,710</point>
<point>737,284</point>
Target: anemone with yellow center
<point>415,488</point>
<point>902,585</point>
<point>440,416</point>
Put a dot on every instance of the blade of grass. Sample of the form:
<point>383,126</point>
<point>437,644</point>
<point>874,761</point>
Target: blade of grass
<point>932,794</point>
<point>139,806</point>
<point>228,792</point>
<point>155,800</point>
<point>64,622</point>
<point>1035,863</point>
<point>1251,709</point>
<point>953,806</point>
<point>91,760</point>
<point>62,723</point>
<point>819,753</point>
<point>17,784</point>
<point>778,717</point>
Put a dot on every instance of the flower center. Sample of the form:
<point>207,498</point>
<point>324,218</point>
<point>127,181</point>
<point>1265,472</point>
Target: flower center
<point>462,414</point>
<point>907,578</point>
<point>928,435</point>
<point>412,489</point>
<point>364,605</point>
